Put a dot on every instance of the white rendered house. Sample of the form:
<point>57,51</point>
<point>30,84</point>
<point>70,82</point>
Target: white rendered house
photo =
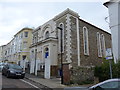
<point>114,12</point>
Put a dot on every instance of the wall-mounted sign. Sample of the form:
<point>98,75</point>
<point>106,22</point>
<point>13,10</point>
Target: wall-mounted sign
<point>109,53</point>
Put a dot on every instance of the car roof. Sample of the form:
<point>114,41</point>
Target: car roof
<point>9,64</point>
<point>109,80</point>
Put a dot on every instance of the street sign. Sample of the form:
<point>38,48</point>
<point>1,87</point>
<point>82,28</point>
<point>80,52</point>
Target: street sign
<point>108,58</point>
<point>109,54</point>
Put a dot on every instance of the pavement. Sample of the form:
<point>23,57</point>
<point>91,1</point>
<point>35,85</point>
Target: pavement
<point>51,83</point>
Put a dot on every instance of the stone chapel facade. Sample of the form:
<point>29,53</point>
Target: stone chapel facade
<point>83,44</point>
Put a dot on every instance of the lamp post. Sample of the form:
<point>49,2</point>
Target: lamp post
<point>61,55</point>
<point>109,57</point>
<point>110,65</point>
<point>35,60</point>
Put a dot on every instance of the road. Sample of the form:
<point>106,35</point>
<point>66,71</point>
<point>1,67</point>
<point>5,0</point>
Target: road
<point>20,84</point>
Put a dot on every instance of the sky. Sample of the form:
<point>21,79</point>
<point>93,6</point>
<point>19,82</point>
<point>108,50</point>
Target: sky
<point>17,14</point>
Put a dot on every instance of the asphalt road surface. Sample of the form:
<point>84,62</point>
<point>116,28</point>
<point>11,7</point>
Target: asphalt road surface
<point>20,84</point>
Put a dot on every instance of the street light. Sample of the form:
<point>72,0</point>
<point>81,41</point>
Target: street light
<point>35,60</point>
<point>61,56</point>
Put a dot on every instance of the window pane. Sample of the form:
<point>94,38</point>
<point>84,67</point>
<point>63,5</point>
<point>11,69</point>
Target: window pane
<point>85,39</point>
<point>26,34</point>
<point>99,45</point>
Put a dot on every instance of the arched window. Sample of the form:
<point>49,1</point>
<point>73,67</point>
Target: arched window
<point>47,35</point>
<point>85,40</point>
<point>61,25</point>
<point>46,52</point>
<point>103,45</point>
<point>99,45</point>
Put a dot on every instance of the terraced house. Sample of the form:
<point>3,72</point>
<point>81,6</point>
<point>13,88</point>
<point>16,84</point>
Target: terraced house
<point>83,45</point>
<point>1,53</point>
<point>17,50</point>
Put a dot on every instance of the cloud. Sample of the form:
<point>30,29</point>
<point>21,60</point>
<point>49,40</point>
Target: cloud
<point>53,0</point>
<point>16,16</point>
<point>13,18</point>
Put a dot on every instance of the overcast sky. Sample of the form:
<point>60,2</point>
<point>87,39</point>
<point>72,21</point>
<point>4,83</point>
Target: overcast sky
<point>17,14</point>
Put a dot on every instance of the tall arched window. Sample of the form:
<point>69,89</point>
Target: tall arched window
<point>61,25</point>
<point>85,40</point>
<point>47,35</point>
<point>103,45</point>
<point>99,45</point>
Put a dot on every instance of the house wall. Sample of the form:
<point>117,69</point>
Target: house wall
<point>74,48</point>
<point>16,49</point>
<point>62,20</point>
<point>40,42</point>
<point>114,12</point>
<point>92,59</point>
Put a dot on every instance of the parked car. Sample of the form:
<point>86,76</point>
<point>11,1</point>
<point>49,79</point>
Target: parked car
<point>13,70</point>
<point>111,84</point>
<point>1,66</point>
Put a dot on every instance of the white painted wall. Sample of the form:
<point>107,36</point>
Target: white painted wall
<point>114,12</point>
<point>119,30</point>
<point>47,68</point>
<point>32,63</point>
<point>53,54</point>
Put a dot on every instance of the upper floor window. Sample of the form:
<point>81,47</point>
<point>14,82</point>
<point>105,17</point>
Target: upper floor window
<point>20,46</point>
<point>85,40</point>
<point>21,35</point>
<point>99,45</point>
<point>35,39</point>
<point>103,45</point>
<point>26,34</point>
<point>47,35</point>
<point>61,37</point>
<point>25,44</point>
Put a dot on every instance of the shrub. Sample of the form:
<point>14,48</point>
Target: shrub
<point>103,71</point>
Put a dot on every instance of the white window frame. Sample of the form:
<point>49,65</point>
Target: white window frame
<point>85,41</point>
<point>21,46</point>
<point>99,45</point>
<point>59,38</point>
<point>103,45</point>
